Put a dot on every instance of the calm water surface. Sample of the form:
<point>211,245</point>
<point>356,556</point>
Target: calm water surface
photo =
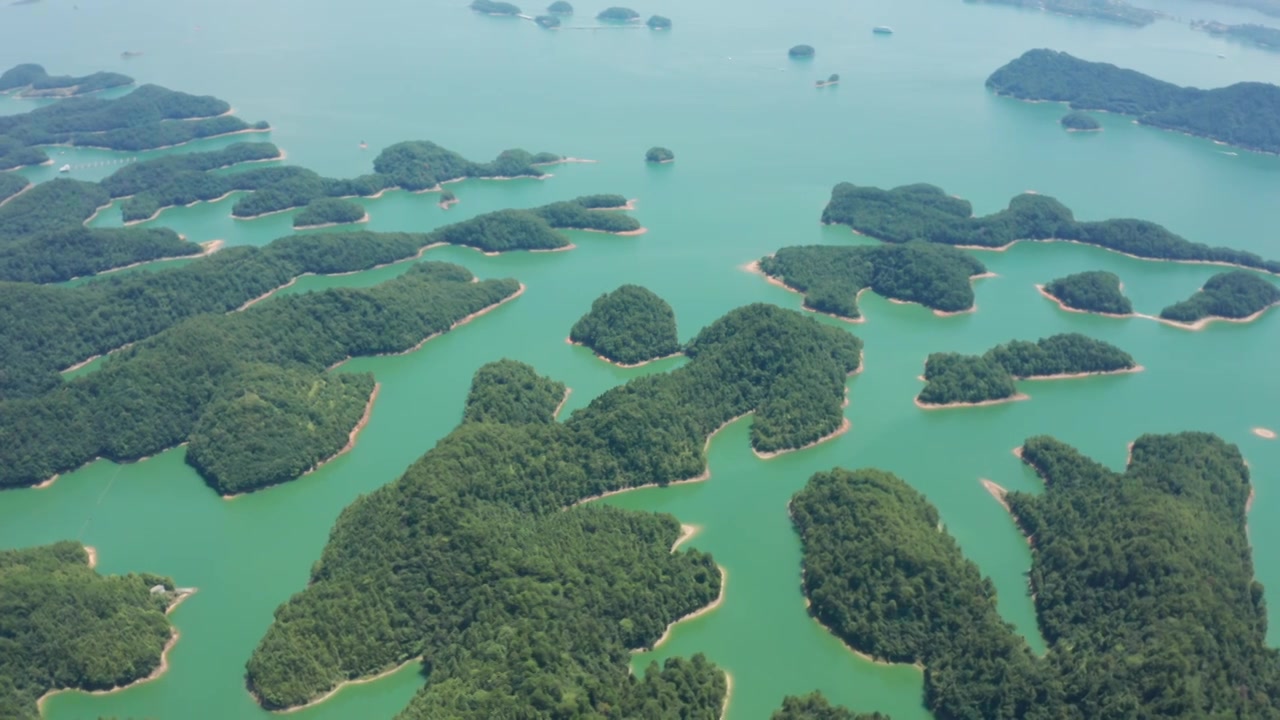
<point>758,150</point>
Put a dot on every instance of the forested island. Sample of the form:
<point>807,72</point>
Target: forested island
<point>550,22</point>
<point>560,7</point>
<point>832,276</point>
<point>52,328</point>
<point>659,155</point>
<point>1234,295</point>
<point>832,79</point>
<point>491,7</point>
<point>1142,582</point>
<point>658,22</point>
<point>31,81</point>
<point>67,627</point>
<point>1246,114</point>
<point>618,14</point>
<point>629,326</point>
<point>104,414</point>
<point>1116,11</point>
<point>327,211</point>
<point>148,118</point>
<point>1076,121</point>
<point>1094,291</point>
<point>926,212</point>
<point>801,51</point>
<point>1264,37</point>
<point>493,557</point>
<point>953,379</point>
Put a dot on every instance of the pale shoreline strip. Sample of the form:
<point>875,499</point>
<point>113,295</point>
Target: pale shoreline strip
<point>92,552</point>
<point>1070,376</point>
<point>1006,246</point>
<point>715,605</point>
<point>754,268</point>
<point>567,392</point>
<point>615,363</point>
<point>1205,321</point>
<point>338,688</point>
<point>943,406</point>
<point>845,426</point>
<point>14,196</point>
<point>363,219</point>
<point>686,534</point>
<point>1063,306</point>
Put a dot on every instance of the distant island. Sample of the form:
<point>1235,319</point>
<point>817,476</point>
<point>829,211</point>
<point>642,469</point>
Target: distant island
<point>659,155</point>
<point>1245,114</point>
<point>550,22</point>
<point>629,326</point>
<point>560,7</point>
<point>68,628</point>
<point>884,575</point>
<point>31,81</point>
<point>492,7</point>
<point>618,14</point>
<point>326,212</point>
<point>1116,11</point>
<point>968,380</point>
<point>1077,121</point>
<point>658,22</point>
<point>1234,295</point>
<point>1094,291</point>
<point>1262,36</point>
<point>832,79</point>
<point>926,212</point>
<point>801,51</point>
<point>831,277</point>
<point>447,199</point>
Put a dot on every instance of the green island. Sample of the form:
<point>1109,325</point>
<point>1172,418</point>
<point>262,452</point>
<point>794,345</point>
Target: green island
<point>496,561</point>
<point>329,211</point>
<point>276,424</point>
<point>549,22</point>
<point>618,14</point>
<point>149,118</point>
<point>956,380</point>
<point>926,212</point>
<point>1142,581</point>
<point>53,328</point>
<point>1262,36</point>
<point>66,627</point>
<point>1116,11</point>
<point>43,237</point>
<point>1095,291</point>
<point>658,154</point>
<point>801,51</point>
<point>1233,295</point>
<point>512,393</point>
<point>815,706</point>
<point>1246,114</point>
<point>492,7</point>
<point>832,276</point>
<point>560,7</point>
<point>658,22</point>
<point>447,199</point>
<point>32,81</point>
<point>629,326</point>
<point>832,79</point>
<point>1076,121</point>
<point>107,414</point>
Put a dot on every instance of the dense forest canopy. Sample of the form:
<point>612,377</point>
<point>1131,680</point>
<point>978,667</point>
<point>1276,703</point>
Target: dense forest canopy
<point>560,7</point>
<point>801,51</point>
<point>512,393</point>
<point>926,212</point>
<point>151,396</point>
<point>831,276</point>
<point>618,14</point>
<point>329,211</point>
<point>155,173</point>
<point>522,609</point>
<point>658,154</point>
<point>1080,122</point>
<point>815,706</point>
<point>11,184</point>
<point>629,325</point>
<point>953,378</point>
<point>1245,114</point>
<point>1142,581</point>
<point>1235,294</point>
<point>65,626</point>
<point>32,81</point>
<point>1092,291</point>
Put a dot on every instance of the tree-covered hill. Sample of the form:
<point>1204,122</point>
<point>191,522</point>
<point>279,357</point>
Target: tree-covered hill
<point>816,707</point>
<point>329,211</point>
<point>32,81</point>
<point>1093,291</point>
<point>1234,295</point>
<point>512,393</point>
<point>628,326</point>
<point>831,276</point>
<point>1142,581</point>
<point>151,396</point>
<point>64,626</point>
<point>1245,114</point>
<point>926,212</point>
<point>471,550</point>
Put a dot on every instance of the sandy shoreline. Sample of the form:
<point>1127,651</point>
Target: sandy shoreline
<point>446,204</point>
<point>715,604</point>
<point>1070,376</point>
<point>615,363</point>
<point>555,415</point>
<point>1264,433</point>
<point>1050,296</point>
<point>363,219</point>
<point>728,693</point>
<point>1000,401</point>
<point>1206,321</point>
<point>93,556</point>
<point>14,196</point>
<point>845,426</point>
<point>338,688</point>
<point>686,534</point>
<point>998,493</point>
<point>623,233</point>
<point>754,268</point>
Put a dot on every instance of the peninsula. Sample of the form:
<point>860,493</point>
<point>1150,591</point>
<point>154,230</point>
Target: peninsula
<point>926,212</point>
<point>1263,36</point>
<point>1236,295</point>
<point>31,81</point>
<point>1245,114</point>
<point>519,480</point>
<point>629,326</point>
<point>1094,291</point>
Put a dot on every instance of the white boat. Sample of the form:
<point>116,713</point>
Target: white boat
<point>64,169</point>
